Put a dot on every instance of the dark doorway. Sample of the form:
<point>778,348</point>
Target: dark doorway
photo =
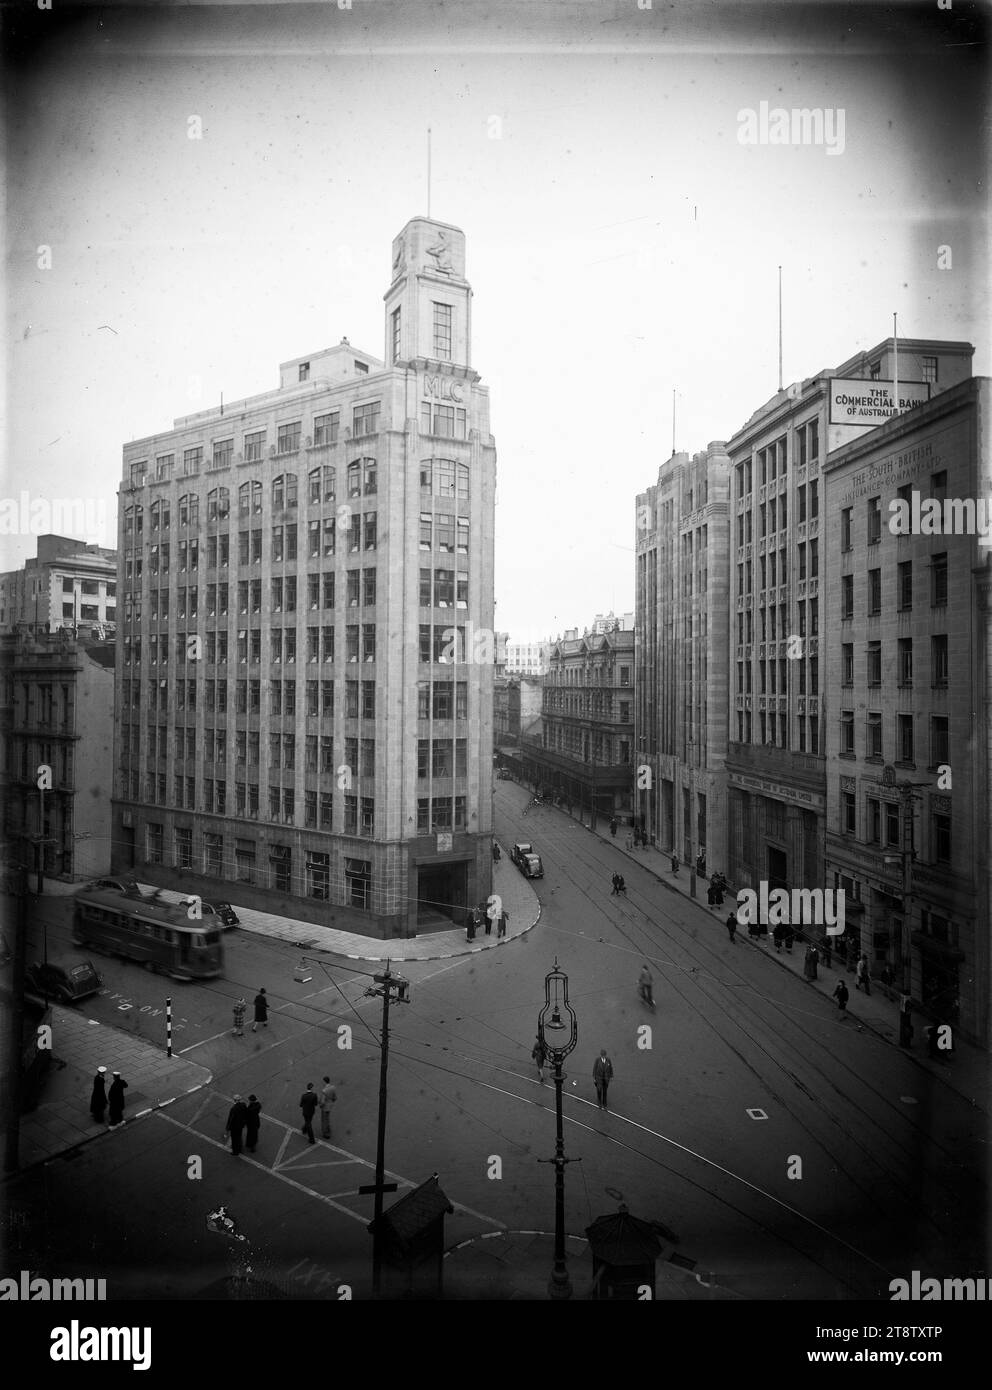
<point>442,891</point>
<point>127,847</point>
<point>778,868</point>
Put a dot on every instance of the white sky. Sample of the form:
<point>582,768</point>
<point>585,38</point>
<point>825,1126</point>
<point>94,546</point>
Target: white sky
<point>620,241</point>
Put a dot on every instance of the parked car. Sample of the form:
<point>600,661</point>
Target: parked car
<point>518,851</point>
<point>226,913</point>
<point>66,982</point>
<point>117,885</point>
<point>530,866</point>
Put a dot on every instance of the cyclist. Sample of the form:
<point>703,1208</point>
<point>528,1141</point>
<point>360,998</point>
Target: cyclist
<point>645,985</point>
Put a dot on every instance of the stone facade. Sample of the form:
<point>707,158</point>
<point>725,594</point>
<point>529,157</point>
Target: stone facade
<point>906,689</point>
<point>681,627</point>
<point>306,676</point>
<point>68,584</point>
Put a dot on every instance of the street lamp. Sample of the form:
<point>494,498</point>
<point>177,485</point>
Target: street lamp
<point>559,1032</point>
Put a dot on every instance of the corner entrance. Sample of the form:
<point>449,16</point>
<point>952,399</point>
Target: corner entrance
<point>442,894</point>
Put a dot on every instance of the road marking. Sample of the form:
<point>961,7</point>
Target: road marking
<point>282,1149</point>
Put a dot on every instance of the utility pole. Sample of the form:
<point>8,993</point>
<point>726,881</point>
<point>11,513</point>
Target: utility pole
<point>387,984</point>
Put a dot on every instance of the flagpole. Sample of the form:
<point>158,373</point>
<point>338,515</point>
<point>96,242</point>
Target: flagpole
<point>780,327</point>
<point>895,363</point>
<point>428,171</point>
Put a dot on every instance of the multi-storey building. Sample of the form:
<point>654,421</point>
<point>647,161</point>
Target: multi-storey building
<point>307,605</point>
<point>526,658</point>
<point>909,701</point>
<point>775,756</point>
<point>68,584</point>
<point>57,713</point>
<point>610,622</point>
<point>681,644</point>
<point>584,752</point>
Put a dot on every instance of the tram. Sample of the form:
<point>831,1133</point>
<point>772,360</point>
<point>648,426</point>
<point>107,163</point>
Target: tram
<point>160,937</point>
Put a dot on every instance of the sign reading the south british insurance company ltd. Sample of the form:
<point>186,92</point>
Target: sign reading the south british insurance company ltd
<point>854,401</point>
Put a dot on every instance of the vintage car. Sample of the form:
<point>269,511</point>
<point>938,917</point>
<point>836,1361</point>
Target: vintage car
<point>67,982</point>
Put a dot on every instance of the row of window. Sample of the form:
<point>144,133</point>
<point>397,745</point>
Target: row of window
<point>361,529</point>
<point>599,748</point>
<point>89,587</point>
<point>938,491</point>
<point>588,675</point>
<point>245,744</point>
<point>883,825</point>
<point>773,676</point>
<point>773,730</point>
<point>905,737</point>
<point>771,462</point>
<point>360,592</point>
<point>904,588</point>
<point>594,705</point>
<point>904,662</point>
<point>182,695</point>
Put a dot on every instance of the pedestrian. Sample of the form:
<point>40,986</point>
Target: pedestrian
<point>253,1121</point>
<point>841,995</point>
<point>327,1098</point>
<point>540,1055</point>
<point>261,1011</point>
<point>237,1119</point>
<point>602,1075</point>
<point>116,1101</point>
<point>98,1100</point>
<point>711,895</point>
<point>308,1104</point>
<point>719,884</point>
<point>778,933</point>
<point>809,964</point>
<point>484,911</point>
<point>675,864</point>
<point>496,852</point>
<point>701,864</point>
<point>621,886</point>
<point>790,937</point>
<point>646,986</point>
<point>732,926</point>
<point>470,922</point>
<point>887,978</point>
<point>504,918</point>
<point>613,827</point>
<point>616,884</point>
<point>863,980</point>
<point>826,951</point>
<point>240,1009</point>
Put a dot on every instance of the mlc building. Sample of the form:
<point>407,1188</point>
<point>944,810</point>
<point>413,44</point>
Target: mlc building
<point>305,685</point>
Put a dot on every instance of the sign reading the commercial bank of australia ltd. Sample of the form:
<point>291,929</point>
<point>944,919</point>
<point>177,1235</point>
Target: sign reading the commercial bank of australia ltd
<point>854,401</point>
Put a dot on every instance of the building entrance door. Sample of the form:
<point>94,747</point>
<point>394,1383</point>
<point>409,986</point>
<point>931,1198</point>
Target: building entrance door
<point>442,891</point>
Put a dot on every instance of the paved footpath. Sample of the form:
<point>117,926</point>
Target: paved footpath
<point>62,1120</point>
<point>965,1070</point>
<point>520,903</point>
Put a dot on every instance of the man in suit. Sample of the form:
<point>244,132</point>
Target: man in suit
<point>237,1118</point>
<point>308,1104</point>
<point>602,1075</point>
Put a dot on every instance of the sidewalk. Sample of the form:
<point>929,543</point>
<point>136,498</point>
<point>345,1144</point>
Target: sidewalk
<point>62,1120</point>
<point>520,903</point>
<point>966,1070</point>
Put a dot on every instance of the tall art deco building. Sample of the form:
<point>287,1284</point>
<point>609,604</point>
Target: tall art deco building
<point>306,604</point>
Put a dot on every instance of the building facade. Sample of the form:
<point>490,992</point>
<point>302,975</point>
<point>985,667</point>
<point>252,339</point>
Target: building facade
<point>584,750</point>
<point>527,658</point>
<point>907,694</point>
<point>67,584</point>
<point>57,713</point>
<point>775,756</point>
<point>306,674</point>
<point>681,645</point>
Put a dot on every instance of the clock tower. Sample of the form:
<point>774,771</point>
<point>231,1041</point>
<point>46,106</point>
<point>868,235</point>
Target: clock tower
<point>429,302</point>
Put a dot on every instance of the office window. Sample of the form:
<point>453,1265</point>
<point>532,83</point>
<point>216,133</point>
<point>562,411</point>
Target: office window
<point>893,829</point>
<point>874,663</point>
<point>941,831</point>
<point>906,749</point>
<point>325,429</point>
<point>847,731</point>
<point>394,319</point>
<point>939,745</point>
<point>874,591</point>
<point>318,867</point>
<point>873,747</point>
<point>846,519</point>
<point>874,826</point>
<point>938,660</point>
<point>874,520</point>
<point>368,699</point>
<point>288,437</point>
<point>930,369</point>
<point>849,813</point>
<point>905,661</point>
<point>847,596</point>
<point>223,452</point>
<point>442,331</point>
<point>905,585</point>
<point>938,580</point>
<point>192,459</point>
<point>358,881</point>
<point>365,419</point>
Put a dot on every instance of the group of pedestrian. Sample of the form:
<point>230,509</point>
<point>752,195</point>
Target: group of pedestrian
<point>715,891</point>
<point>602,1070</point>
<point>619,886</point>
<point>102,1101</point>
<point>481,916</point>
<point>244,1120</point>
<point>261,1014</point>
<point>783,935</point>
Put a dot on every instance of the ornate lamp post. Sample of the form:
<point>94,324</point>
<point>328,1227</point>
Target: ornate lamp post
<point>559,1032</point>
